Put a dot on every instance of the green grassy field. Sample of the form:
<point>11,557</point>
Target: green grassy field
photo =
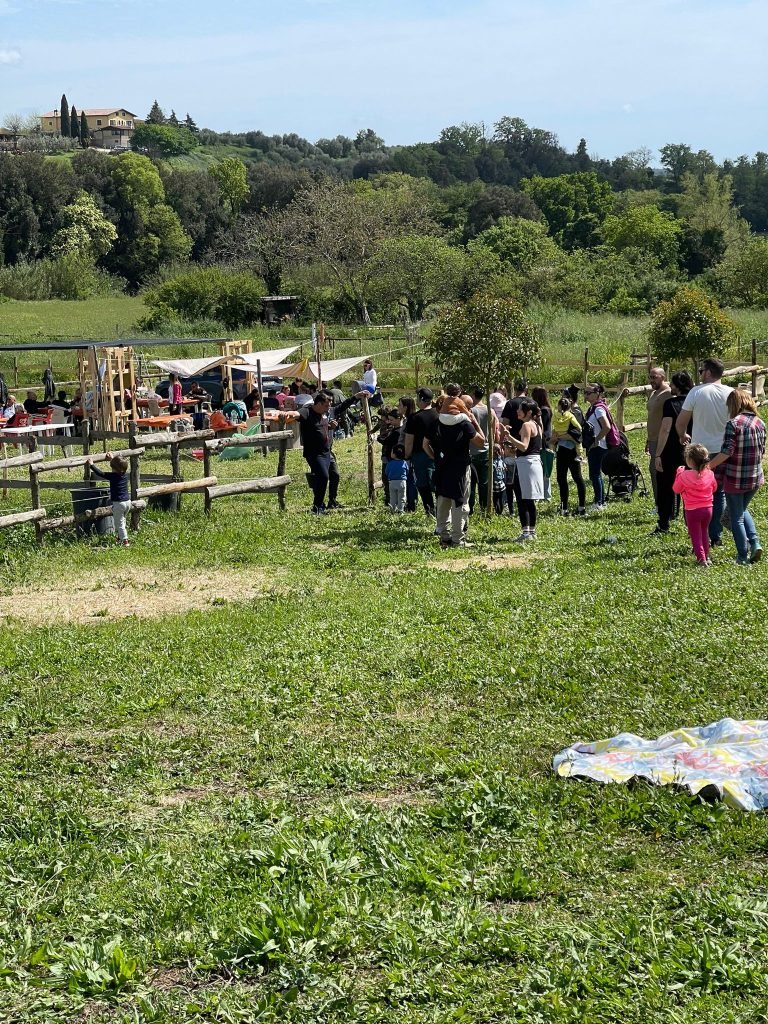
<point>278,768</point>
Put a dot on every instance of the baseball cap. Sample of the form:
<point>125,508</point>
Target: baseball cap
<point>424,395</point>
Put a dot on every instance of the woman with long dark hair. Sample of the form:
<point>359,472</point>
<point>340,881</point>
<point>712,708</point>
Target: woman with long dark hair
<point>669,451</point>
<point>529,475</point>
<point>541,397</point>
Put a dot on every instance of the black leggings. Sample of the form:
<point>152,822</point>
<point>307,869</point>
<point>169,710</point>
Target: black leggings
<point>566,463</point>
<point>526,508</point>
<point>667,502</point>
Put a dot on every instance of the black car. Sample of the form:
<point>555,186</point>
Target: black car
<point>211,382</point>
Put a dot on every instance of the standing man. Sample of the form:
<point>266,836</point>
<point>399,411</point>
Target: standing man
<point>660,392</point>
<point>707,405</point>
<point>449,445</point>
<point>479,456</point>
<point>316,430</point>
<point>418,426</point>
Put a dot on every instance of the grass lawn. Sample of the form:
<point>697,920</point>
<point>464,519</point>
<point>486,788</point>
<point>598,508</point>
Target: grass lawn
<point>55,319</point>
<point>309,779</point>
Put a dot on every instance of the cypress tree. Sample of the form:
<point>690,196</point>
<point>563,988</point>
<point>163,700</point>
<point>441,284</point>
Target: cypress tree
<point>85,131</point>
<point>74,123</point>
<point>156,115</point>
<point>64,117</point>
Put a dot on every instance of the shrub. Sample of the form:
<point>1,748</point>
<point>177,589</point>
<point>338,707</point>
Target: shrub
<point>689,327</point>
<point>209,293</point>
<point>67,277</point>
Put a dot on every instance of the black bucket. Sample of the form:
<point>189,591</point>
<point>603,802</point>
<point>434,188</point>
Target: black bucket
<point>85,498</point>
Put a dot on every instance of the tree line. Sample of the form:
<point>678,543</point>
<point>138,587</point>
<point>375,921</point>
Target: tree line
<point>571,231</point>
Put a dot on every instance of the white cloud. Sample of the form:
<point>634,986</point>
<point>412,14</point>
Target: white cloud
<point>9,56</point>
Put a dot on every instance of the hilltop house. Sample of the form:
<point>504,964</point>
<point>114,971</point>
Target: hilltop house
<point>110,127</point>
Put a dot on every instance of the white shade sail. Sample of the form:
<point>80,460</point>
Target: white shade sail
<point>188,367</point>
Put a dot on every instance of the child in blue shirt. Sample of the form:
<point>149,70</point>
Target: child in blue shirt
<point>118,493</point>
<point>397,474</point>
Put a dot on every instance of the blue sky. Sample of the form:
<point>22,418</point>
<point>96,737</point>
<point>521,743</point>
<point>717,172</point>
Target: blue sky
<point>622,73</point>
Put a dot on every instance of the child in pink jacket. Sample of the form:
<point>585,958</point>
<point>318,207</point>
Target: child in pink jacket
<point>697,486</point>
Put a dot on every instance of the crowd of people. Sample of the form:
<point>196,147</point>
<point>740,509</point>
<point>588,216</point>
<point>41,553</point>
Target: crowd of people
<point>705,445</point>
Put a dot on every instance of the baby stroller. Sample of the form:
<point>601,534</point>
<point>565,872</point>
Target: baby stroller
<point>624,476</point>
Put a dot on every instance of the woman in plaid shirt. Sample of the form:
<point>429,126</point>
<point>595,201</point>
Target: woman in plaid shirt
<point>742,454</point>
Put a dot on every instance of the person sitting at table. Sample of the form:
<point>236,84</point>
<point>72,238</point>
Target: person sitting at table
<point>306,397</point>
<point>200,395</point>
<point>10,407</point>
<point>31,404</point>
<point>60,401</point>
<point>19,418</point>
<point>270,400</point>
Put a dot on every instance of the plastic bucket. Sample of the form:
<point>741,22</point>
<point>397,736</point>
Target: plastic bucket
<point>85,498</point>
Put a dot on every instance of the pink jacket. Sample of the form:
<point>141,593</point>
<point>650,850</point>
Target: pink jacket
<point>695,488</point>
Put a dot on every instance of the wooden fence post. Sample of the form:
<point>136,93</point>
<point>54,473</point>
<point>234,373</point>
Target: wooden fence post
<point>15,372</point>
<point>620,403</point>
<point>135,477</point>
<point>416,373</point>
<point>586,368</point>
<point>281,457</point>
<point>754,364</point>
<point>369,450</point>
<point>175,462</point>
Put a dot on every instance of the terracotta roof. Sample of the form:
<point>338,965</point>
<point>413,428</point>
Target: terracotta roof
<point>92,112</point>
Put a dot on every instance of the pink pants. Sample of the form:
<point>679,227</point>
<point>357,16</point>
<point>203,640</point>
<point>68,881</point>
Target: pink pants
<point>697,520</point>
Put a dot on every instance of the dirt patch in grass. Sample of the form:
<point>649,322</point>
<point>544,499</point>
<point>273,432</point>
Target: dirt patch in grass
<point>133,591</point>
<point>492,562</point>
<point>65,739</point>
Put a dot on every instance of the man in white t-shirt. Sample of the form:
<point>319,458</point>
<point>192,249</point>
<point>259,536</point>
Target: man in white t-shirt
<point>706,406</point>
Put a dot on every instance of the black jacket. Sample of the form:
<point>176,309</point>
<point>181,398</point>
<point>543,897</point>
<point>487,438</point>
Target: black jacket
<point>314,430</point>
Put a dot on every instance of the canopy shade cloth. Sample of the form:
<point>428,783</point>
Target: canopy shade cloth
<point>330,369</point>
<point>268,357</point>
<point>188,367</point>
<point>728,757</point>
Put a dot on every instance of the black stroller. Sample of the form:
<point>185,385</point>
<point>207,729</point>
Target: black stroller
<point>624,476</point>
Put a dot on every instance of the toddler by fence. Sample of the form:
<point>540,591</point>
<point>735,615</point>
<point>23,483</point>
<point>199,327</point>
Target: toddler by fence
<point>118,493</point>
<point>397,473</point>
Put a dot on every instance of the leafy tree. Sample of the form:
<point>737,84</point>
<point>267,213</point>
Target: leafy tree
<point>416,271</point>
<point>74,123</point>
<point>340,227</point>
<point>495,202</point>
<point>156,115</point>
<point>680,160</point>
<point>706,205</point>
<point>483,341</point>
<point>367,141</point>
<point>190,125</point>
<point>207,293</point>
<point>137,181</point>
<point>690,327</point>
<point>520,244</point>
<point>256,243</point>
<point>645,228</point>
<point>231,178</point>
<point>742,277</point>
<point>64,123</point>
<point>574,205</point>
<point>85,132</point>
<point>85,232</point>
<point>195,198</point>
<point>163,140</point>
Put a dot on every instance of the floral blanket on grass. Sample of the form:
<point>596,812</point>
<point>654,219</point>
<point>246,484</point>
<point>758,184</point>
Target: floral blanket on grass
<point>728,756</point>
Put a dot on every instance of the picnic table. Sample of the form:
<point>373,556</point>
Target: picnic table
<point>159,422</point>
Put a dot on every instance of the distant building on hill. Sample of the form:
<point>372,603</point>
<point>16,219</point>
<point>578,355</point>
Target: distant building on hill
<point>110,127</point>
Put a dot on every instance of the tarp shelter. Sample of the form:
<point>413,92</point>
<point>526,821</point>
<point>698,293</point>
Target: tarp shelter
<point>188,367</point>
<point>330,369</point>
<point>270,359</point>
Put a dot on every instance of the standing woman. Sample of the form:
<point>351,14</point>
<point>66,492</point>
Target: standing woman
<point>529,476</point>
<point>742,451</point>
<point>541,397</point>
<point>370,377</point>
<point>669,451</point>
<point>597,418</point>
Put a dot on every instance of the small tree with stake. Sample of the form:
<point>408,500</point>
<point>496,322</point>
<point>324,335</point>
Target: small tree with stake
<point>485,340</point>
<point>690,327</point>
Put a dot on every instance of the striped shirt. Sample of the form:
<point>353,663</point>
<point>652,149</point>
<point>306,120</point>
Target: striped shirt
<point>744,444</point>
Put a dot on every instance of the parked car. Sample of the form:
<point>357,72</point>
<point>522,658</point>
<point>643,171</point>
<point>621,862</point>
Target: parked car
<point>211,382</point>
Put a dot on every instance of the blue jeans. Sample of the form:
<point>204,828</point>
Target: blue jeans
<point>595,461</point>
<point>742,523</point>
<point>718,507</point>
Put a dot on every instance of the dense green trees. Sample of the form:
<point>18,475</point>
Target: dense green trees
<point>163,140</point>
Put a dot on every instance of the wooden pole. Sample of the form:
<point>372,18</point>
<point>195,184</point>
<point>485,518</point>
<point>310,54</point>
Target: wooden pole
<point>175,462</point>
<point>15,372</point>
<point>416,372</point>
<point>369,450</point>
<point>586,368</point>
<point>620,403</point>
<point>259,388</point>
<point>754,372</point>
<point>281,459</point>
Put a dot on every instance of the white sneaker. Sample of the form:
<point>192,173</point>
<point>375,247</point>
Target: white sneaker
<point>597,508</point>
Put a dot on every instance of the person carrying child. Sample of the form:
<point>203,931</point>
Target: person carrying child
<point>118,492</point>
<point>397,470</point>
<point>566,435</point>
<point>696,485</point>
